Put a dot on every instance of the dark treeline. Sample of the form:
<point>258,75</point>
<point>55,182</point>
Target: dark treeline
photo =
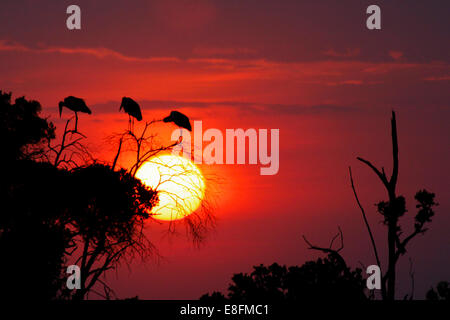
<point>51,215</point>
<point>323,279</point>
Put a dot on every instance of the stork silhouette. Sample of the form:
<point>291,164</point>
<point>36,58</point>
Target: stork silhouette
<point>133,109</point>
<point>179,119</point>
<point>76,105</point>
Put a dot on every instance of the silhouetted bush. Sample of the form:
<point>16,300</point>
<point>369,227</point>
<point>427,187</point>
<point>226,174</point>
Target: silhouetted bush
<point>323,279</point>
<point>442,292</point>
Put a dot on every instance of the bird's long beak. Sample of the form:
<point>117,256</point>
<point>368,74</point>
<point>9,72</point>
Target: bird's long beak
<point>60,109</point>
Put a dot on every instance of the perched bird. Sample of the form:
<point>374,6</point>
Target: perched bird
<point>132,108</point>
<point>76,105</point>
<point>179,119</point>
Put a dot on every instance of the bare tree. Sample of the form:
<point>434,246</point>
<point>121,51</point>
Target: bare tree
<point>70,151</point>
<point>392,210</point>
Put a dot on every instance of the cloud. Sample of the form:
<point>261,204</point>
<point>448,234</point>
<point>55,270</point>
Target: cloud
<point>12,46</point>
<point>348,53</point>
<point>442,78</point>
<point>214,51</point>
<point>202,78</point>
<point>346,82</point>
<point>95,52</point>
<point>395,54</point>
<point>101,53</point>
<point>317,68</point>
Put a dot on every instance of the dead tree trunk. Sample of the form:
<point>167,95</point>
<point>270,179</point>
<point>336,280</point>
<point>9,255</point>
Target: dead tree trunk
<point>393,212</point>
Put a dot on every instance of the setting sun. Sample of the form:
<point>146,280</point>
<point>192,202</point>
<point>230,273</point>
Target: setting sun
<point>180,186</point>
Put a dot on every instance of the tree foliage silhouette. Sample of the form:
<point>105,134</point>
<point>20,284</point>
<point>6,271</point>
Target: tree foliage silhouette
<point>442,292</point>
<point>325,278</point>
<point>24,134</point>
<point>58,211</point>
<point>108,214</point>
<point>32,240</point>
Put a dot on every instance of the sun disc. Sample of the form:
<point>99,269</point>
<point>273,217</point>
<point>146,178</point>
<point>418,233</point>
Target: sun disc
<point>179,183</point>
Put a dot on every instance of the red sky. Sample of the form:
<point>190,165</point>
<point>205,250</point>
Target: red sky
<point>310,69</point>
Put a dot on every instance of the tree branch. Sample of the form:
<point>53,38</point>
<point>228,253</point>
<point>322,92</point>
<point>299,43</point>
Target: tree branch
<point>375,251</point>
<point>394,176</point>
<point>381,175</point>
<point>330,250</point>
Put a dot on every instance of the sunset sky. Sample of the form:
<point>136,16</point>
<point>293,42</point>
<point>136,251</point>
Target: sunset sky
<point>309,68</point>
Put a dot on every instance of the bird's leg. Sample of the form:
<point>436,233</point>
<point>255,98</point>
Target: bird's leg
<point>76,121</point>
<point>129,123</point>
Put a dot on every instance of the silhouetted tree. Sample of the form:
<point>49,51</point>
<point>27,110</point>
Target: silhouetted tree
<point>442,292</point>
<point>24,133</point>
<point>108,211</point>
<point>60,206</point>
<point>392,210</point>
<point>51,215</point>
<point>33,241</point>
<point>323,279</point>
